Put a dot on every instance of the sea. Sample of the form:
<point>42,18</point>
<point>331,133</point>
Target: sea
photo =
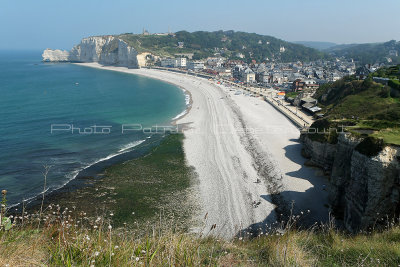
<point>68,118</point>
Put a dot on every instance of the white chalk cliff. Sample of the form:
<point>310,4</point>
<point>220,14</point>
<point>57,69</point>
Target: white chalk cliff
<point>55,55</point>
<point>106,50</point>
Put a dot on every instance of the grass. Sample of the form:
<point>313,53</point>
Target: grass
<point>68,240</point>
<point>389,136</point>
<point>292,94</point>
<point>363,106</point>
<point>367,105</point>
<point>388,131</point>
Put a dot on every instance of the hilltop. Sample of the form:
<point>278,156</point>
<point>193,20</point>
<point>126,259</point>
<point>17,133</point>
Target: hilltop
<point>370,53</point>
<point>230,44</point>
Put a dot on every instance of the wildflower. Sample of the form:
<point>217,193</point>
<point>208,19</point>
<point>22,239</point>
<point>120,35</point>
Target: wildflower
<point>133,213</point>
<point>116,247</point>
<point>96,253</point>
<point>137,259</point>
<point>95,226</point>
<point>111,214</point>
<point>109,227</point>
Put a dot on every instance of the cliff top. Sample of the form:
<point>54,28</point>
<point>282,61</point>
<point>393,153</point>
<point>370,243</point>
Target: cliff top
<point>369,108</point>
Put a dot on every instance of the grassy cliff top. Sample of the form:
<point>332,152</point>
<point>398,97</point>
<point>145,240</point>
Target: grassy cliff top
<point>228,43</point>
<point>365,104</point>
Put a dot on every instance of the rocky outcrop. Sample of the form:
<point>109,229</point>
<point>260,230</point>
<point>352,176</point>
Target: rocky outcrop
<point>319,154</point>
<point>107,50</point>
<point>363,189</point>
<point>55,55</point>
<point>372,192</point>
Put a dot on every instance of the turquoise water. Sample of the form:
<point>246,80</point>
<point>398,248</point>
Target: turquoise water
<point>36,98</point>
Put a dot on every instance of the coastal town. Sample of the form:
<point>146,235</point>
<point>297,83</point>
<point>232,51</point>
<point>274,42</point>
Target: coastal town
<point>289,87</point>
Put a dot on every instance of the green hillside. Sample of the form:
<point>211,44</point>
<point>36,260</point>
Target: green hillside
<point>228,43</point>
<point>364,105</point>
<point>368,53</point>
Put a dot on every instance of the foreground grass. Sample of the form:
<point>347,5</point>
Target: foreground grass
<point>67,242</point>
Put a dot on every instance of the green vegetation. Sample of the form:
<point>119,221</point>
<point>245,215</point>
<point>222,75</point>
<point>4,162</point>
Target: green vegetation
<point>370,146</point>
<point>228,43</point>
<point>368,53</point>
<point>137,190</point>
<point>389,135</point>
<point>392,72</point>
<point>292,94</point>
<point>68,239</point>
<point>363,105</point>
<point>324,131</point>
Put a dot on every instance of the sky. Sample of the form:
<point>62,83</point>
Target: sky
<point>40,24</point>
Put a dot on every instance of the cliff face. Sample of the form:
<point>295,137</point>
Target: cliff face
<point>362,189</point>
<point>55,55</point>
<point>106,50</point>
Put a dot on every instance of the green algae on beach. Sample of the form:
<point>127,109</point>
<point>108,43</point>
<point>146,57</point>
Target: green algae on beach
<point>134,193</point>
<point>159,182</point>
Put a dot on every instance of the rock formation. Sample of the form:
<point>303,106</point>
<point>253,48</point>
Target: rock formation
<point>106,50</point>
<point>363,189</point>
<point>55,55</point>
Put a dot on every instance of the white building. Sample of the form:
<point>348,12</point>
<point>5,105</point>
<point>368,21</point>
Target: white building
<point>173,62</point>
<point>215,61</point>
<point>195,65</point>
<point>181,62</point>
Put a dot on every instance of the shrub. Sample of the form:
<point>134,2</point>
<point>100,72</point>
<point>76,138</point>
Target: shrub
<point>370,146</point>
